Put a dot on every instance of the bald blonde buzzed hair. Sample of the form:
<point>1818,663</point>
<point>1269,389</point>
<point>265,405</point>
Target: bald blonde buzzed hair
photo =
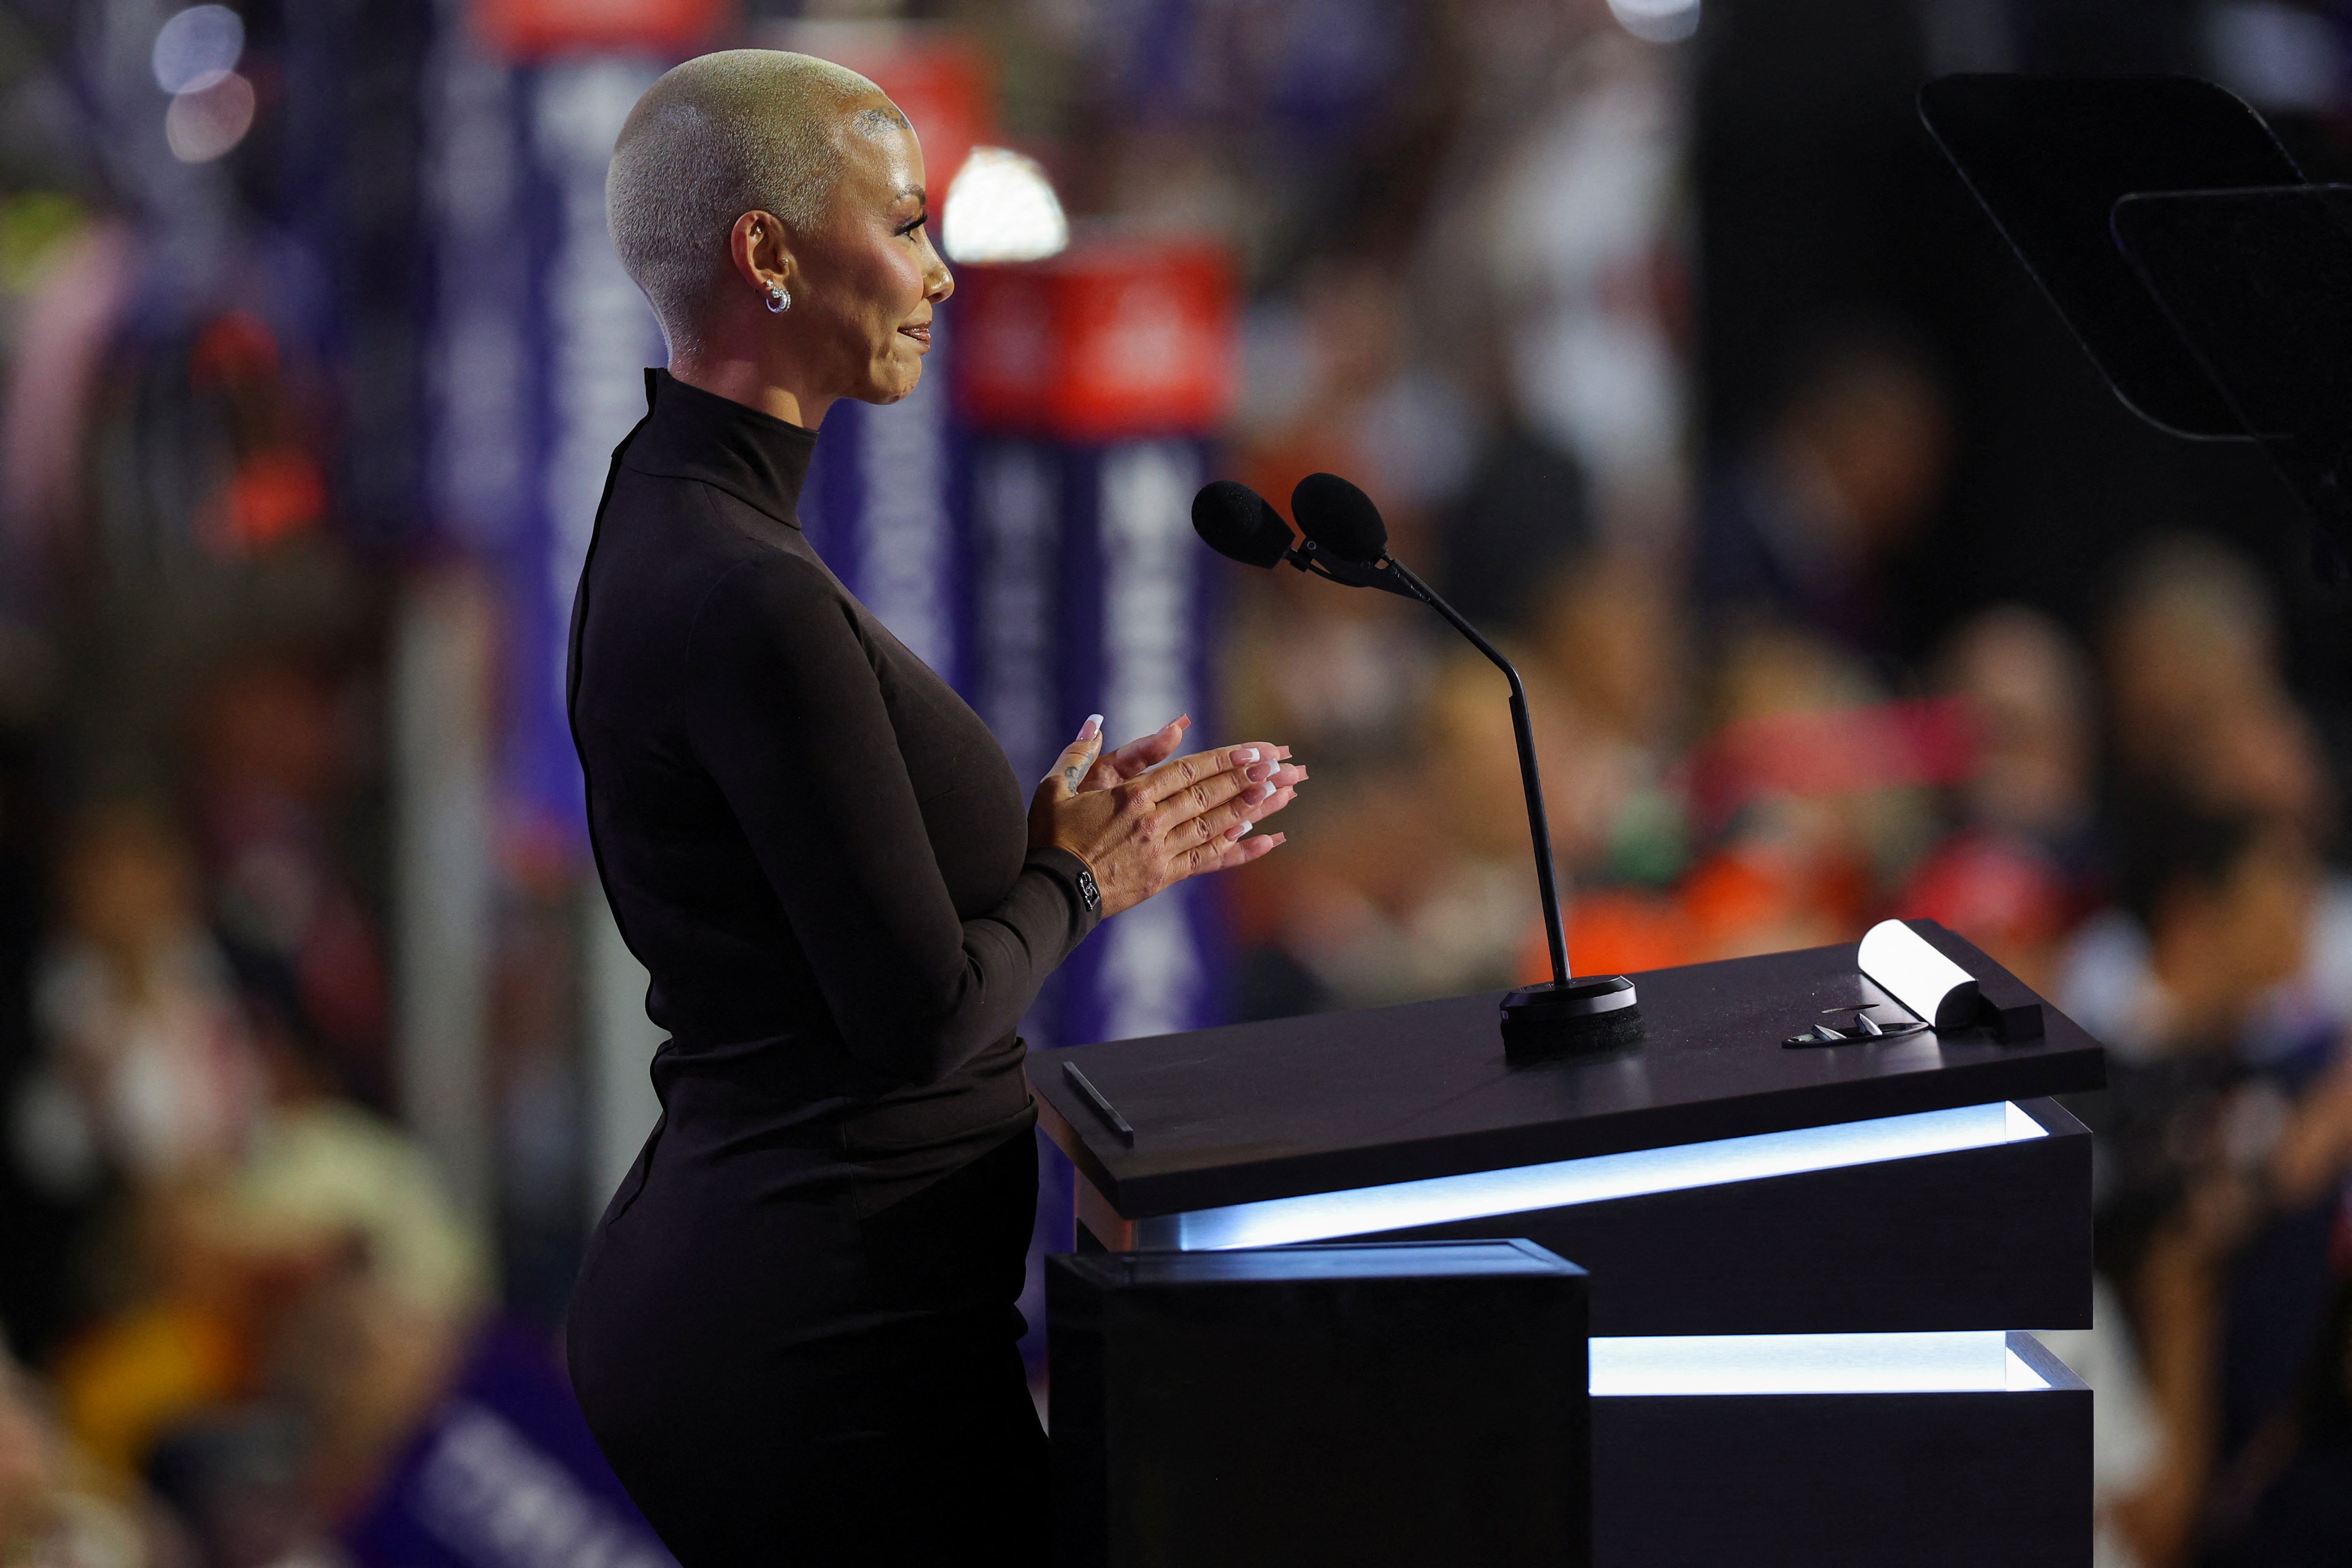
<point>740,131</point>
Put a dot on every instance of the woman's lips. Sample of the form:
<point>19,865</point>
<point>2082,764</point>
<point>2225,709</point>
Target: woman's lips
<point>920,332</point>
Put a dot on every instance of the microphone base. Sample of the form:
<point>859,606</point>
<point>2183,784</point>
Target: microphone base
<point>1584,1017</point>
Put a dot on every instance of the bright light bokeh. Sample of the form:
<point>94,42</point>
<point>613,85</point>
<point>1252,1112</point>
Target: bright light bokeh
<point>1002,208</point>
<point>1657,21</point>
<point>206,123</point>
<point>197,49</point>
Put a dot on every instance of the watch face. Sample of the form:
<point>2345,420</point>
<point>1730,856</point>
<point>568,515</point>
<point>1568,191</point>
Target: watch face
<point>1087,891</point>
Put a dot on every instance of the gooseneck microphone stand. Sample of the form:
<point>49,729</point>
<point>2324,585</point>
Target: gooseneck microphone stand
<point>1530,774</point>
<point>1569,1015</point>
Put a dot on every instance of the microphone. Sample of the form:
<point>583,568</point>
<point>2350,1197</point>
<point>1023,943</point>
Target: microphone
<point>1242,525</point>
<point>1236,520</point>
<point>1340,518</point>
<point>1347,541</point>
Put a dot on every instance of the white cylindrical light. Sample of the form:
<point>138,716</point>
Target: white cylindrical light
<point>1900,963</point>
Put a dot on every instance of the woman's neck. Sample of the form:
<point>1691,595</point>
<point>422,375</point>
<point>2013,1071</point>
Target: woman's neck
<point>751,384</point>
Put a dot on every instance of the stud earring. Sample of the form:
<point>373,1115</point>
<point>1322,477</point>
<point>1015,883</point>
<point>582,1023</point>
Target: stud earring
<point>779,299</point>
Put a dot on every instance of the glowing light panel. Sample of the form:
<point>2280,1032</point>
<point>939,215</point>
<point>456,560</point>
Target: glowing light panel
<point>1972,1361</point>
<point>1440,1200</point>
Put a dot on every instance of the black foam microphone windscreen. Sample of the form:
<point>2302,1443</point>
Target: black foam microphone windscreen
<point>1340,518</point>
<point>1234,520</point>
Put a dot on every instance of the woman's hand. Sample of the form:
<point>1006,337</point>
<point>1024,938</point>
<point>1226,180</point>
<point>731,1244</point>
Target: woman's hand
<point>1143,821</point>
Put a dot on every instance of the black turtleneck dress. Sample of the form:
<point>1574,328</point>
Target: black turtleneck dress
<point>793,1334</point>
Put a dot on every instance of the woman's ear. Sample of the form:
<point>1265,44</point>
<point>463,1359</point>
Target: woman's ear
<point>759,250</point>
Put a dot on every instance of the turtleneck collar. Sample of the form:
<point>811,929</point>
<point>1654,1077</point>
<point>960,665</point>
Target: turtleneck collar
<point>690,434</point>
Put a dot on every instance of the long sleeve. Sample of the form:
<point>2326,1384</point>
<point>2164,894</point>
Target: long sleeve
<point>783,706</point>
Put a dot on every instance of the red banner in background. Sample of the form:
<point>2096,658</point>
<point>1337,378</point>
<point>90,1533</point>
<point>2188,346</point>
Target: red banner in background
<point>527,29</point>
<point>1112,339</point>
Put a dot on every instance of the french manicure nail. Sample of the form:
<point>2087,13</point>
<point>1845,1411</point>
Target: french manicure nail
<point>1246,754</point>
<point>1258,772</point>
<point>1238,834</point>
<point>1091,728</point>
<point>1255,793</point>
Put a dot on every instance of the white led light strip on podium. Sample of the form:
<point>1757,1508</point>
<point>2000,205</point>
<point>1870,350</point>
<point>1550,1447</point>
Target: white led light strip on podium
<point>1967,1360</point>
<point>1439,1200</point>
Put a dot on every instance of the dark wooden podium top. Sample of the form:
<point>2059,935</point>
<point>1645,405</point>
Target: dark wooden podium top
<point>1337,1101</point>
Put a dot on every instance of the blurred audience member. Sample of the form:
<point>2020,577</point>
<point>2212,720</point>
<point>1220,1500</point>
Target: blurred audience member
<point>2031,693</point>
<point>1521,518</point>
<point>2125,1438</point>
<point>1844,474</point>
<point>1367,917</point>
<point>273,757</point>
<point>2016,871</point>
<point>1810,801</point>
<point>140,1016</point>
<point>1609,639</point>
<point>2297,1487</point>
<point>2214,911</point>
<point>2198,701</point>
<point>252,1201</point>
<point>53,1513</point>
<point>2219,1178</point>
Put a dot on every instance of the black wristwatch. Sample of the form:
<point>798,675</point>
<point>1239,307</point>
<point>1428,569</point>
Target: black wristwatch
<point>1088,892</point>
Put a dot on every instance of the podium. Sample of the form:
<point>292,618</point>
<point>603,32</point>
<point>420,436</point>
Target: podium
<point>1813,1271</point>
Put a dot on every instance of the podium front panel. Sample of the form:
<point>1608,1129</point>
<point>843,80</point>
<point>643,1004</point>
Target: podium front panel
<point>1986,1459</point>
<point>1361,1406</point>
<point>1991,1235</point>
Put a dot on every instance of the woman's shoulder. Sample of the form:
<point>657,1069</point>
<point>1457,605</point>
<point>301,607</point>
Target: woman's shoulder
<point>700,539</point>
<point>778,596</point>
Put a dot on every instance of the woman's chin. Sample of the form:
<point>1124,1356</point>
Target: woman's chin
<point>893,382</point>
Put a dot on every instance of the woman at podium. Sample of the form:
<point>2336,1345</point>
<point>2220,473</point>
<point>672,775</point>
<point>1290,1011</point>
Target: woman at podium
<point>793,1334</point>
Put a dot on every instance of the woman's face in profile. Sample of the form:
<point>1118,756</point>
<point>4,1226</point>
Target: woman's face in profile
<point>872,273</point>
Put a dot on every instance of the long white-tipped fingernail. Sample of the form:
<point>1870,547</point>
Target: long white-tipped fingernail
<point>1245,833</point>
<point>1246,754</point>
<point>1091,728</point>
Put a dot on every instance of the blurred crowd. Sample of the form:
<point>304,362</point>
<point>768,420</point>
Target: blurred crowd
<point>235,1289</point>
<point>2137,817</point>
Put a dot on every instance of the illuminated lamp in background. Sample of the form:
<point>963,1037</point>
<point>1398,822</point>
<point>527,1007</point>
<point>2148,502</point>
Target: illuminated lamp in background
<point>1003,208</point>
<point>527,29</point>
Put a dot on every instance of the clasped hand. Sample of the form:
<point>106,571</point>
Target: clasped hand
<point>1144,819</point>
